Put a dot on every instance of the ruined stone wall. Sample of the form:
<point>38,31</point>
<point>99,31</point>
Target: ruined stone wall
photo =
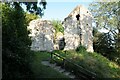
<point>71,32</point>
<point>78,31</point>
<point>42,35</point>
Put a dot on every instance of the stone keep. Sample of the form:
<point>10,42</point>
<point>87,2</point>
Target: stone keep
<point>78,29</point>
<point>42,34</point>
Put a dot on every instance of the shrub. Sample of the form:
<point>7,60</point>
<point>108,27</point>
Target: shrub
<point>81,48</point>
<point>58,26</point>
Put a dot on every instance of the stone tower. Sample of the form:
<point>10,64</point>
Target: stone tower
<point>78,29</point>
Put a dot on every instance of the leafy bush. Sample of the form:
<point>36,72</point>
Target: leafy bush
<point>58,26</point>
<point>81,48</point>
<point>30,17</point>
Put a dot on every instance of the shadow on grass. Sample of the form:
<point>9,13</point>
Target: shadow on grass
<point>42,71</point>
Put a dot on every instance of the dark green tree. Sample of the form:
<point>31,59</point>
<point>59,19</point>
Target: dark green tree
<point>106,17</point>
<point>33,8</point>
<point>15,41</point>
<point>103,43</point>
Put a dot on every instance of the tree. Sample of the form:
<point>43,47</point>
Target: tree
<point>33,8</point>
<point>106,16</point>
<point>30,17</point>
<point>15,41</point>
<point>102,43</point>
<point>118,27</point>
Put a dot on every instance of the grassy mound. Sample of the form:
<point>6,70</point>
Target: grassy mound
<point>93,62</point>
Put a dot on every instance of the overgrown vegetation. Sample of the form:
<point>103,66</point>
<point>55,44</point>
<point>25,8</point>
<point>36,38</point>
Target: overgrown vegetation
<point>16,54</point>
<point>58,26</point>
<point>30,17</point>
<point>15,42</point>
<point>106,18</point>
<point>103,44</point>
<point>59,29</point>
<point>81,48</point>
<point>93,62</point>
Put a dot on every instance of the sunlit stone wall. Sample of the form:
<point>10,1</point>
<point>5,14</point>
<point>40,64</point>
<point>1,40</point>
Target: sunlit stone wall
<point>78,31</point>
<point>42,35</point>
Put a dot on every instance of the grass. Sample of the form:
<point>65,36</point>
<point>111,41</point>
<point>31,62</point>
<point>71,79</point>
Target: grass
<point>42,71</point>
<point>93,62</point>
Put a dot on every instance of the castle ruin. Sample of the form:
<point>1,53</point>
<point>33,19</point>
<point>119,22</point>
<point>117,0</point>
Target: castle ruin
<point>77,31</point>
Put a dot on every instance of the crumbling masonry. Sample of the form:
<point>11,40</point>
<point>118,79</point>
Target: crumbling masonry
<point>77,30</point>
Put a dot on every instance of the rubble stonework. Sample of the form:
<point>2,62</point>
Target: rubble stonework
<point>78,29</point>
<point>42,35</point>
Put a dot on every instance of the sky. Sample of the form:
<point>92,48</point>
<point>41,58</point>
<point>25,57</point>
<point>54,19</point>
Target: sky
<point>59,9</point>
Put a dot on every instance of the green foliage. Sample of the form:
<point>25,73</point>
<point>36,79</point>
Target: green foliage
<point>30,17</point>
<point>81,48</point>
<point>15,42</point>
<point>103,44</point>
<point>58,26</point>
<point>105,14</point>
<point>106,17</point>
<point>93,62</point>
<point>32,7</point>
